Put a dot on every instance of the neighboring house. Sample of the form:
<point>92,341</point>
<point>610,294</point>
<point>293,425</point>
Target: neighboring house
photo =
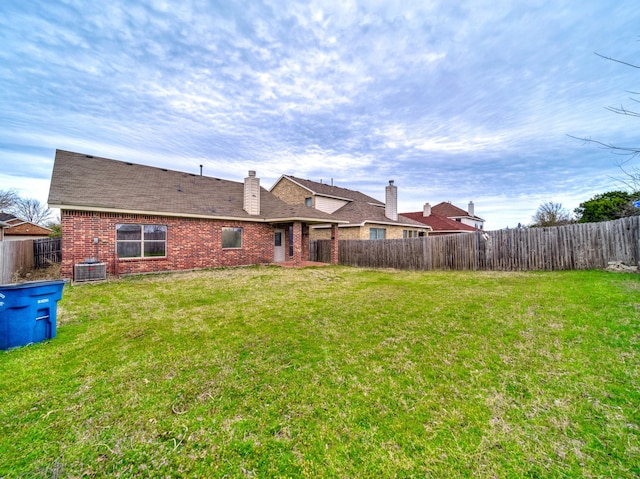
<point>445,218</point>
<point>18,229</point>
<point>3,225</point>
<point>452,212</point>
<point>140,219</point>
<point>364,217</point>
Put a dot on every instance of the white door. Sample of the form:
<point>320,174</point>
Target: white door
<point>278,246</point>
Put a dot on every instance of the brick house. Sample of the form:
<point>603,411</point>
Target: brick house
<point>446,218</point>
<point>17,229</point>
<point>139,219</point>
<point>363,217</point>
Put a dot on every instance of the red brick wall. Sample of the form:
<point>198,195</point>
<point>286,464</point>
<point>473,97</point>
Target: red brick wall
<point>191,243</point>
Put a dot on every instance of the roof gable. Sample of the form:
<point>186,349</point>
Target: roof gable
<point>323,189</point>
<point>26,228</point>
<point>449,210</point>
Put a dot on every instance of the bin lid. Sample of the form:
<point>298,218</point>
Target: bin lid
<point>34,284</point>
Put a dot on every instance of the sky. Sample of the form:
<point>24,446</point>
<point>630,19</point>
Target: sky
<point>453,100</point>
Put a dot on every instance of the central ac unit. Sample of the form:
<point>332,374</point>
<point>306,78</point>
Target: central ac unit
<point>90,272</point>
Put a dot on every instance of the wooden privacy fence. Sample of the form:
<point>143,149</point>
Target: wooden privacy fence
<point>576,246</point>
<point>47,251</point>
<point>14,255</point>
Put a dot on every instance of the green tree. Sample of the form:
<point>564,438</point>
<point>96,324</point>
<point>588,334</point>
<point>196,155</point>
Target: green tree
<point>606,206</point>
<point>56,229</point>
<point>551,214</point>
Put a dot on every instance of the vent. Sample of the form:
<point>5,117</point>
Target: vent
<point>90,272</point>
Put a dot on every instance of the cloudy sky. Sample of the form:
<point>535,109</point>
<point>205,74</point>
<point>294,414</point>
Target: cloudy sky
<point>454,100</point>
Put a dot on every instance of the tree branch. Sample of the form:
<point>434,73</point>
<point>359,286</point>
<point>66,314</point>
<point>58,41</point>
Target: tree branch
<point>617,61</point>
<point>620,150</point>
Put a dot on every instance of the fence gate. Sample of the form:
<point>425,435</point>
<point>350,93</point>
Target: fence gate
<point>47,251</point>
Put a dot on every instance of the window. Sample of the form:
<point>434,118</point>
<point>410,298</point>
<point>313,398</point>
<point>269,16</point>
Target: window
<point>141,241</point>
<point>307,201</point>
<point>231,238</point>
<point>409,234</point>
<point>377,233</point>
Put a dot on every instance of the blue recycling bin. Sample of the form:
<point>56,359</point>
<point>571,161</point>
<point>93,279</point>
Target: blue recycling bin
<point>28,312</point>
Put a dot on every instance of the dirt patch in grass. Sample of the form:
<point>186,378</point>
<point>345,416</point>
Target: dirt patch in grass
<point>50,272</point>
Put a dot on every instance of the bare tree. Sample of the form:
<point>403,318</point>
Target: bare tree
<point>551,214</point>
<point>8,198</point>
<point>31,210</point>
<point>631,178</point>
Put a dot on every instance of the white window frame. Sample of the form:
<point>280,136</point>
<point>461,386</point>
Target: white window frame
<point>141,241</point>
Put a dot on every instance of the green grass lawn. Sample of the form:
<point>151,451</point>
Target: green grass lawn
<point>331,372</point>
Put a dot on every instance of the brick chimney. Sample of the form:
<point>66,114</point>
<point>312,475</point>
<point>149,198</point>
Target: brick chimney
<point>252,194</point>
<point>426,211</point>
<point>470,210</point>
<point>391,201</point>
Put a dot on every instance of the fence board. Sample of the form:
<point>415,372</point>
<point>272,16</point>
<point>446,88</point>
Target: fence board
<point>15,255</point>
<point>576,246</point>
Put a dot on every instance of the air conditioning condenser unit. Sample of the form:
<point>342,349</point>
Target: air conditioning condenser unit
<point>90,272</point>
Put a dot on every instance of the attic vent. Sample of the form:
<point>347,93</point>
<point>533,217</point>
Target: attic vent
<point>89,272</point>
<point>89,156</point>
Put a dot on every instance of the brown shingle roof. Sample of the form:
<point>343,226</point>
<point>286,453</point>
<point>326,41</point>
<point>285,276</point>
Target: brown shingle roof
<point>334,191</point>
<point>359,210</point>
<point>92,183</point>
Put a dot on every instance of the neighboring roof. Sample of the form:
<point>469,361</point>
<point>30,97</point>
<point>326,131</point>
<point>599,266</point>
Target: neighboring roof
<point>15,226</point>
<point>360,208</point>
<point>358,213</point>
<point>331,191</point>
<point>440,223</point>
<point>448,210</point>
<point>85,182</point>
<point>18,227</point>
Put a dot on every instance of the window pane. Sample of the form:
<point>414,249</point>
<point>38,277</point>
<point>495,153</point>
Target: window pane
<point>278,239</point>
<point>154,248</point>
<point>232,237</point>
<point>129,249</point>
<point>128,232</point>
<point>155,232</point>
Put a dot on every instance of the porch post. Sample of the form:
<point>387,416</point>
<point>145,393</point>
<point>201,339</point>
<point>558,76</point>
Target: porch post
<point>334,244</point>
<point>305,243</point>
<point>297,243</point>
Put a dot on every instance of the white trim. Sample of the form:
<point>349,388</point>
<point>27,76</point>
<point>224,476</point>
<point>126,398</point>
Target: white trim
<point>191,215</point>
<point>364,223</point>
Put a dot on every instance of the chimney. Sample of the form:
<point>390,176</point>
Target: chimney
<point>252,194</point>
<point>391,201</point>
<point>426,211</point>
<point>470,211</point>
